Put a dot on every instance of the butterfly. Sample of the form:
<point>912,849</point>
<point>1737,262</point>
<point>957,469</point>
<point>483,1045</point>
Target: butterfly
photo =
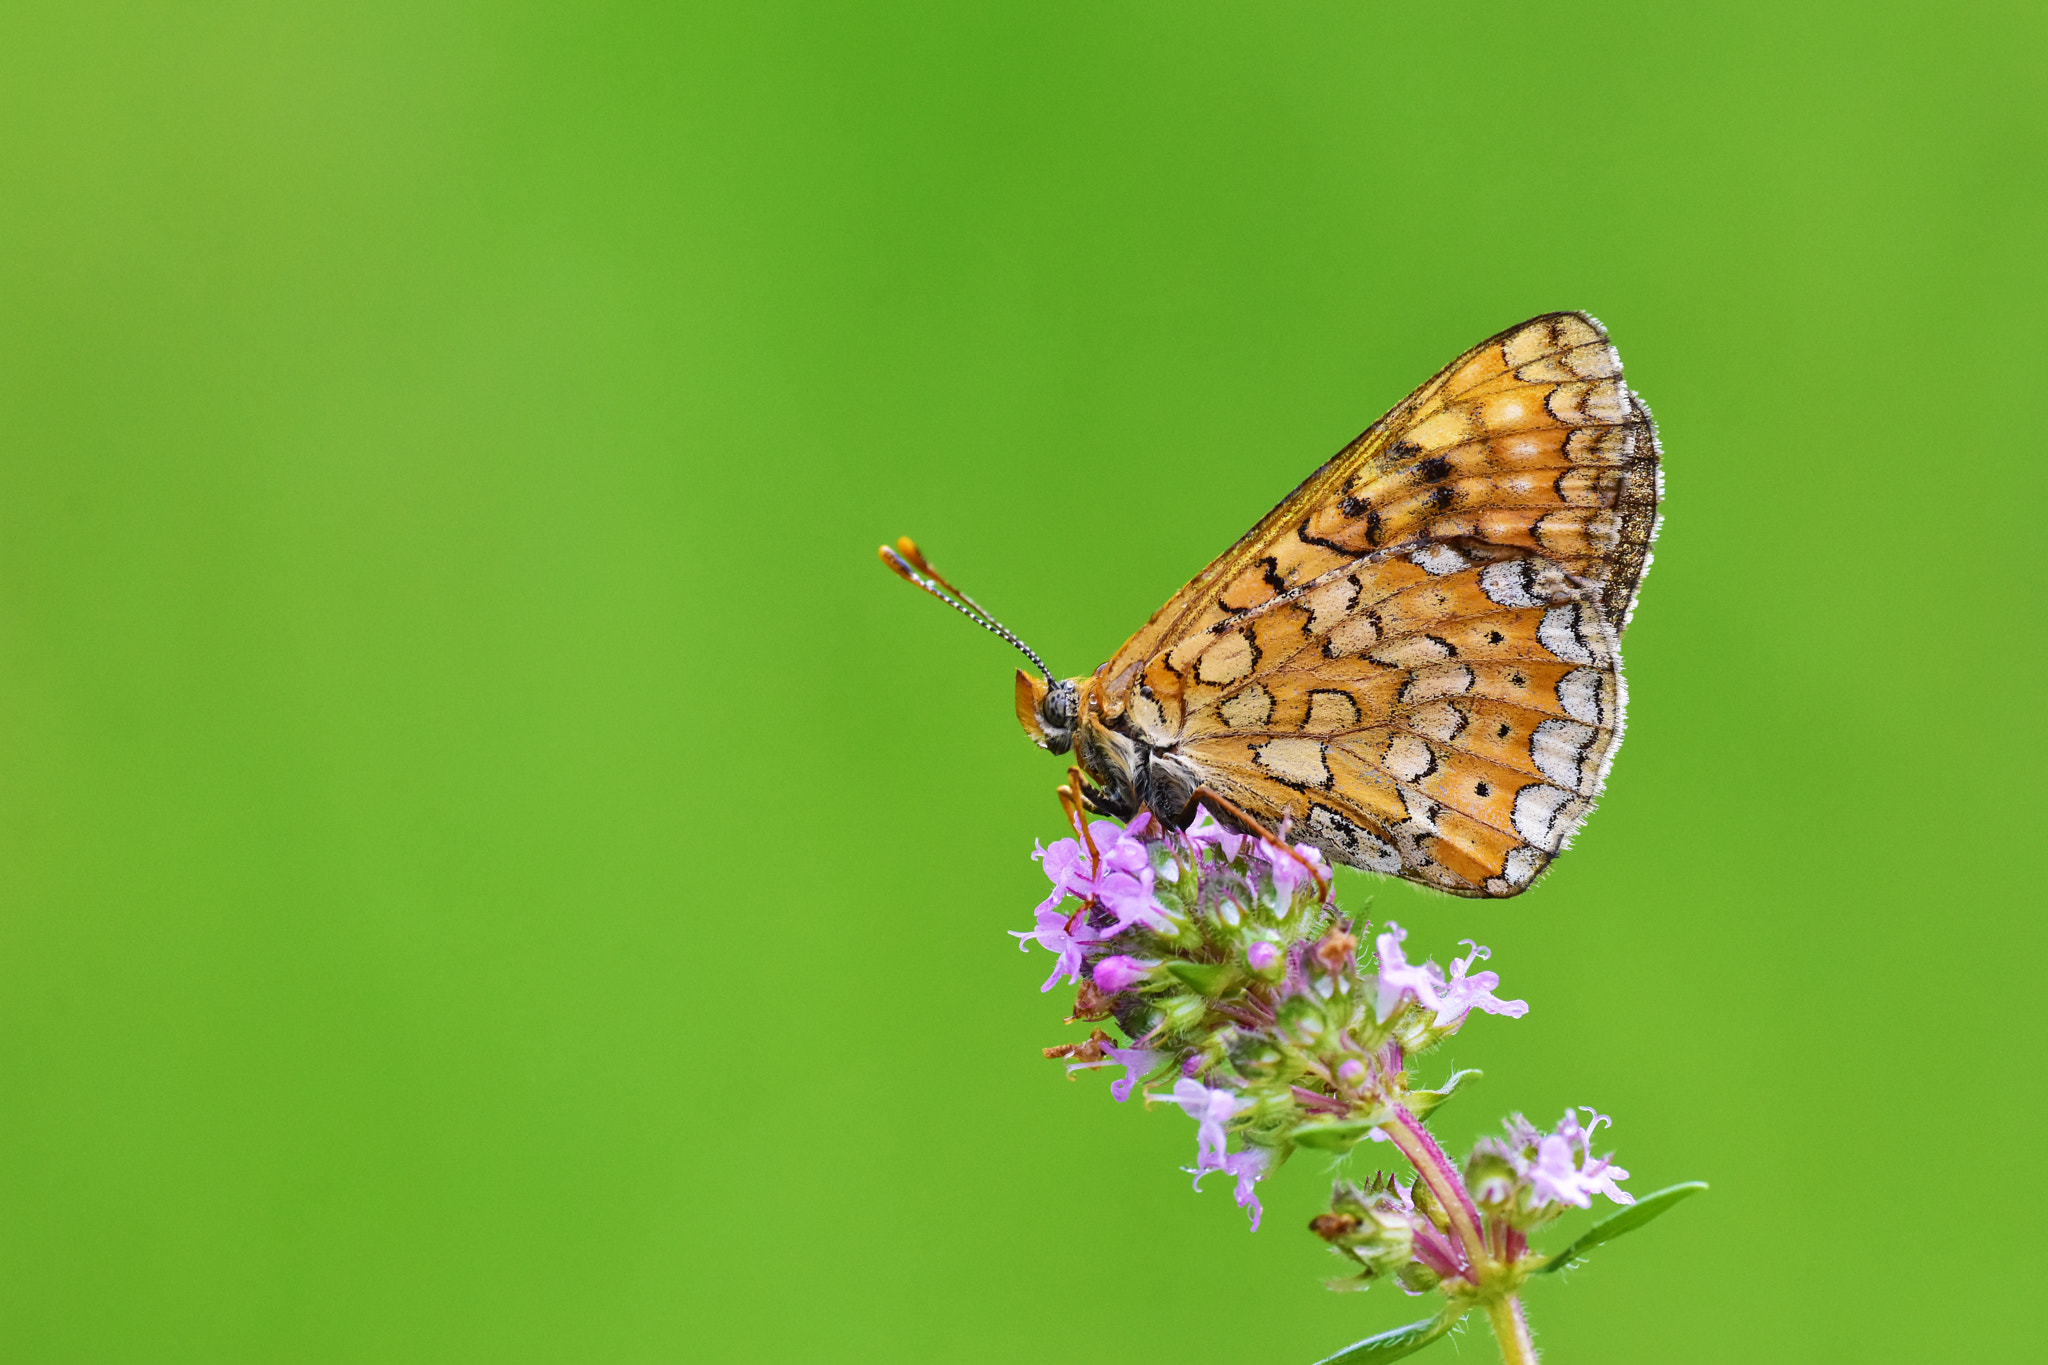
<point>1413,662</point>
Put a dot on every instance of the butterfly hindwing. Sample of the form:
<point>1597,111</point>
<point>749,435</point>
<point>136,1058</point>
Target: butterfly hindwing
<point>1414,658</point>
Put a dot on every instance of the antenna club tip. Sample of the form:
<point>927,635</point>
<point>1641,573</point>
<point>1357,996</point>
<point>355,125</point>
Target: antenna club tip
<point>907,547</point>
<point>894,563</point>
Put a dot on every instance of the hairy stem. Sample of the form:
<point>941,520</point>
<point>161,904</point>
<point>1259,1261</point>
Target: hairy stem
<point>1436,1171</point>
<point>1511,1330</point>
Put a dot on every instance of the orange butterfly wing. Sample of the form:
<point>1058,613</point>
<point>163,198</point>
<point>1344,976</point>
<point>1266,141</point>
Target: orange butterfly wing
<point>1415,655</point>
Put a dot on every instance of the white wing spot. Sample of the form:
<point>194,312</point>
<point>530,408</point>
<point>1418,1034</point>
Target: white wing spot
<point>1413,652</point>
<point>1508,584</point>
<point>1543,815</point>
<point>1229,659</point>
<point>1422,811</point>
<point>1559,748</point>
<point>1439,560</point>
<point>1522,866</point>
<point>1330,710</point>
<point>1299,761</point>
<point>1251,707</point>
<point>1408,758</point>
<point>1440,720</point>
<point>1579,693</point>
<point>1440,680</point>
<point>1559,634</point>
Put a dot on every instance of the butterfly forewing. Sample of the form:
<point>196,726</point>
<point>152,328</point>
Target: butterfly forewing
<point>1414,657</point>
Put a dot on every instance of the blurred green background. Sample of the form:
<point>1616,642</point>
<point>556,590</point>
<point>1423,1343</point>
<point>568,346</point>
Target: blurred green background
<point>494,871</point>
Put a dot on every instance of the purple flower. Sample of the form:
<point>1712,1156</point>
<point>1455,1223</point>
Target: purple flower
<point>1599,1173</point>
<point>1554,1175</point>
<point>1210,1109</point>
<point>1206,832</point>
<point>1462,994</point>
<point>1289,872</point>
<point>1136,1062</point>
<point>1065,935</point>
<point>1398,978</point>
<point>1119,879</point>
<point>1247,1168</point>
<point>1120,973</point>
<point>1262,956</point>
<point>1522,1133</point>
<point>1061,862</point>
<point>1565,1171</point>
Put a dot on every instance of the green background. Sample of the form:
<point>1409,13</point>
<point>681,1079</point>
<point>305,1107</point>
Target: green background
<point>493,870</point>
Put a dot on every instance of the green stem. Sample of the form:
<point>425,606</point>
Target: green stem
<point>1511,1330</point>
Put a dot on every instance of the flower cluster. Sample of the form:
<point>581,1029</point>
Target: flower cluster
<point>1225,962</point>
<point>1530,1176</point>
<point>1514,1186</point>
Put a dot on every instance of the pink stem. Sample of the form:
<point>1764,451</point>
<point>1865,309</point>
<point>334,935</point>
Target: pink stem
<point>1324,1103</point>
<point>1443,1180</point>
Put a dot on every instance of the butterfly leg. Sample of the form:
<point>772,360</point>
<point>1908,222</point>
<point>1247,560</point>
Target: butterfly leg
<point>1076,801</point>
<point>1209,796</point>
<point>1095,799</point>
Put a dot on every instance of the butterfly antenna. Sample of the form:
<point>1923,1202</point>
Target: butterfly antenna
<point>908,563</point>
<point>907,548</point>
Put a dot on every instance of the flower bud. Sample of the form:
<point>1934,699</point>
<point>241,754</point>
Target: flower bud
<point>1490,1174</point>
<point>1351,1073</point>
<point>1426,1204</point>
<point>1182,1014</point>
<point>1333,1227</point>
<point>1301,1020</point>
<point>1417,1278</point>
<point>1120,973</point>
<point>1208,978</point>
<point>1261,1064</point>
<point>1372,1226</point>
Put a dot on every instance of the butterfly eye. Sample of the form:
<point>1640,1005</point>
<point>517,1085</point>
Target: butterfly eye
<point>1059,710</point>
<point>1047,711</point>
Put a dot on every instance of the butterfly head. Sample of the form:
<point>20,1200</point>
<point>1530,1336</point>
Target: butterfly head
<point>1048,711</point>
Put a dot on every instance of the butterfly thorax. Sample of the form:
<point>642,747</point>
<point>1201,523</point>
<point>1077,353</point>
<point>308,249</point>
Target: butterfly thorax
<point>1129,771</point>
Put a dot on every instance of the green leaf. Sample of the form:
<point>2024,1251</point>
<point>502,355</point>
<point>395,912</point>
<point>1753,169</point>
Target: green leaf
<point>1394,1343</point>
<point>1207,979</point>
<point>1333,1135</point>
<point>1421,1102</point>
<point>1628,1220</point>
